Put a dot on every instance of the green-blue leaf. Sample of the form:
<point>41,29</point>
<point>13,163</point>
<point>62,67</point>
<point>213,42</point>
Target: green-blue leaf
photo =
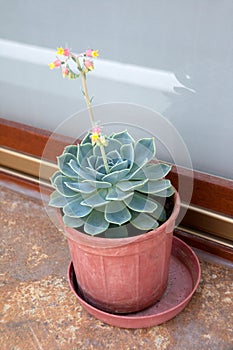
<point>159,213</point>
<point>84,152</point>
<point>82,187</point>
<point>137,174</point>
<point>115,194</point>
<point>165,193</point>
<point>144,222</point>
<point>60,185</point>
<point>92,161</point>
<point>97,199</point>
<point>76,209</point>
<point>156,171</point>
<point>54,176</point>
<point>72,222</point>
<point>57,200</point>
<point>124,137</point>
<point>119,166</point>
<point>131,185</point>
<point>155,186</point>
<point>117,232</point>
<point>116,176</point>
<point>144,148</point>
<point>86,139</point>
<point>98,184</point>
<point>114,155</point>
<point>117,213</point>
<point>72,149</point>
<point>95,223</point>
<point>85,175</point>
<point>113,145</point>
<point>141,203</point>
<point>127,152</point>
<point>63,164</point>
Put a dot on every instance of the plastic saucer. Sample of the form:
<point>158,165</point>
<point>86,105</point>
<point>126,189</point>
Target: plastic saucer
<point>184,277</point>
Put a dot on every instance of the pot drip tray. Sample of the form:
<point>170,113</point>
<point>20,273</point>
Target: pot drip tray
<point>184,276</point>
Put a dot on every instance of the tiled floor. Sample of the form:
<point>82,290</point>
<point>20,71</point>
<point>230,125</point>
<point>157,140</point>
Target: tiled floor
<point>38,310</point>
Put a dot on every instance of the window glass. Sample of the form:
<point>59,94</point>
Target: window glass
<point>175,57</point>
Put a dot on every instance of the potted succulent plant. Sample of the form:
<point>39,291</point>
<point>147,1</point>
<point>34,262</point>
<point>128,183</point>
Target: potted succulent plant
<point>117,209</point>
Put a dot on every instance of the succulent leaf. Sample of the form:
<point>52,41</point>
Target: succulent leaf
<point>127,152</point>
<point>72,222</point>
<point>63,164</point>
<point>120,166</point>
<point>113,145</point>
<point>116,176</point>
<point>144,148</point>
<point>54,176</point>
<point>60,185</point>
<point>84,152</point>
<point>86,139</point>
<point>98,184</point>
<point>156,171</point>
<point>96,223</point>
<point>144,222</point>
<point>57,200</point>
<point>117,213</point>
<point>72,149</point>
<point>168,192</point>
<point>114,156</point>
<point>97,199</point>
<point>99,162</point>
<point>83,187</point>
<point>124,137</point>
<point>92,161</point>
<point>159,213</point>
<point>131,185</point>
<point>135,168</point>
<point>85,175</point>
<point>115,194</point>
<point>76,209</point>
<point>117,232</point>
<point>154,186</point>
<point>140,203</point>
<point>138,174</point>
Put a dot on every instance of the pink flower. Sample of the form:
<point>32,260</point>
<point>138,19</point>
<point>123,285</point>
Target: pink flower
<point>57,63</point>
<point>65,72</point>
<point>96,130</point>
<point>92,53</point>
<point>66,52</point>
<point>61,51</point>
<point>89,65</point>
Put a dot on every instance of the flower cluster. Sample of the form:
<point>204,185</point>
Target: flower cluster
<point>97,138</point>
<point>64,61</point>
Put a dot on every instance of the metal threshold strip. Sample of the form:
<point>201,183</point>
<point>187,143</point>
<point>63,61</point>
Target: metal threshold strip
<point>199,221</point>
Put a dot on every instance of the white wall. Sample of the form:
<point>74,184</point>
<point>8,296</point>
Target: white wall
<point>175,57</point>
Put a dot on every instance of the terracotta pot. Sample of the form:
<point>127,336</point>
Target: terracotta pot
<point>127,274</point>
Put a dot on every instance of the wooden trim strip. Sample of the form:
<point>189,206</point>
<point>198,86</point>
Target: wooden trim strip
<point>30,140</point>
<point>32,189</point>
<point>210,192</point>
<point>205,244</point>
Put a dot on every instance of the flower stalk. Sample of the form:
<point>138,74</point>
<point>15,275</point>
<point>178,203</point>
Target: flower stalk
<point>91,114</point>
<point>87,98</point>
<point>86,66</point>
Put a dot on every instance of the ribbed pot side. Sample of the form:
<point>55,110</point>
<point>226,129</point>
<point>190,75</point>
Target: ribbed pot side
<point>127,274</point>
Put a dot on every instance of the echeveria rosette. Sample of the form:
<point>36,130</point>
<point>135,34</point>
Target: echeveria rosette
<point>106,202</point>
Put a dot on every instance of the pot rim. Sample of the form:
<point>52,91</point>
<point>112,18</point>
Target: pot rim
<point>102,242</point>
